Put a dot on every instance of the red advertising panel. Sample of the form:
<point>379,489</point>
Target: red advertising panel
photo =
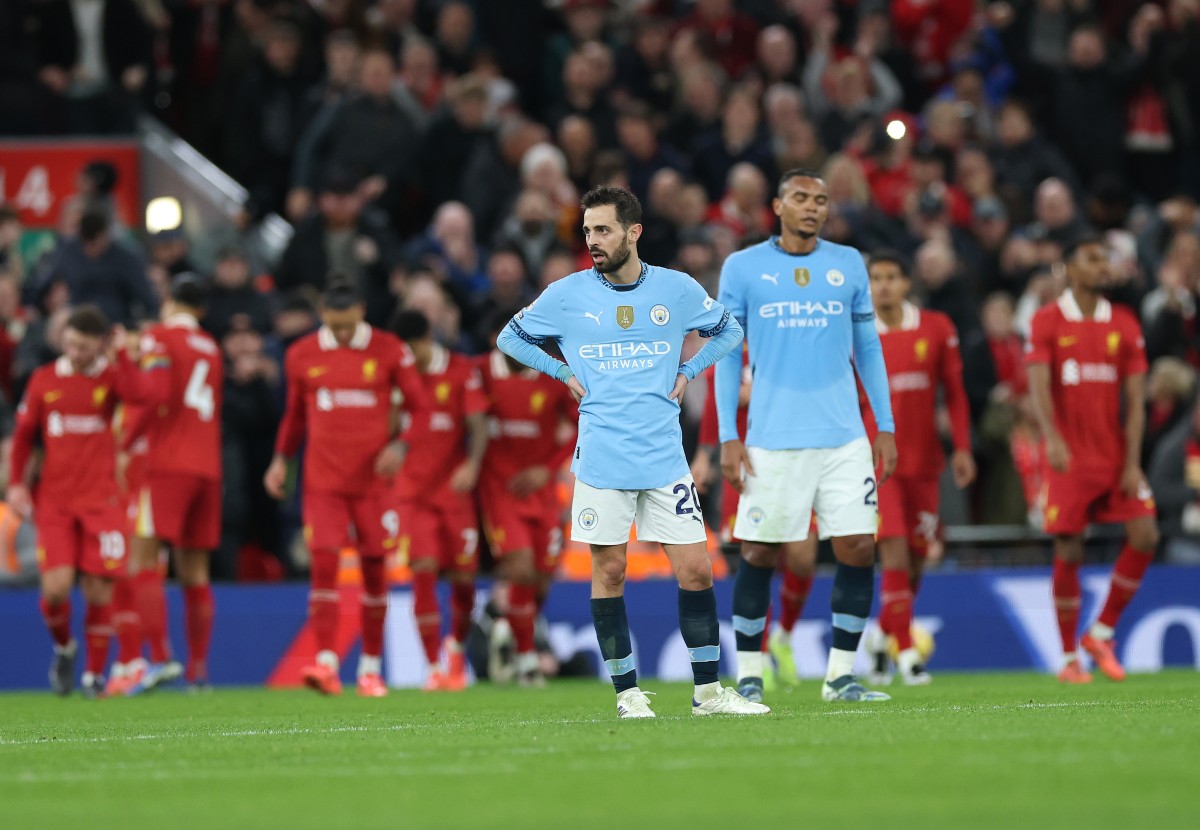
<point>37,177</point>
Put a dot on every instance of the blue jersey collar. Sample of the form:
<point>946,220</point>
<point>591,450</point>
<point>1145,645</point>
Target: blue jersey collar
<point>775,244</point>
<point>605,280</point>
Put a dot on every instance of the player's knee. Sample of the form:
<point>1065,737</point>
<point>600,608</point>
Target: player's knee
<point>695,576</point>
<point>1068,548</point>
<point>856,551</point>
<point>760,555</point>
<point>1144,538</point>
<point>610,572</point>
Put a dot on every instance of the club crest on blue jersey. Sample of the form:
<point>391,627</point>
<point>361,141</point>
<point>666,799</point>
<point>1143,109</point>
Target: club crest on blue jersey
<point>659,315</point>
<point>624,316</point>
<point>835,278</point>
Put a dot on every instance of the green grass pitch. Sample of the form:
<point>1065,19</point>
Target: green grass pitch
<point>1008,750</point>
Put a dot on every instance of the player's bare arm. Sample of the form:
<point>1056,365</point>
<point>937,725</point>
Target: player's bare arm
<point>1133,479</point>
<point>464,478</point>
<point>962,467</point>
<point>1057,452</point>
<point>391,458</point>
<point>884,455</point>
<point>576,388</point>
<point>275,477</point>
<point>735,464</point>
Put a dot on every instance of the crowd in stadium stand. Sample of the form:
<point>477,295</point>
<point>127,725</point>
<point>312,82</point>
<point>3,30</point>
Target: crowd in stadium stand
<point>434,151</point>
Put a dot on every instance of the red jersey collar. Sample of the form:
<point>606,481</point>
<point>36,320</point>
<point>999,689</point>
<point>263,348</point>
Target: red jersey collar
<point>64,369</point>
<point>1070,309</point>
<point>440,361</point>
<point>500,370</point>
<point>910,320</point>
<point>181,321</point>
<point>360,340</point>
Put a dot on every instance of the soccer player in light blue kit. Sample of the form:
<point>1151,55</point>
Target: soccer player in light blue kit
<point>806,306</point>
<point>620,326</point>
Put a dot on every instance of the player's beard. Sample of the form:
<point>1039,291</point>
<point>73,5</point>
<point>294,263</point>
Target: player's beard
<point>619,257</point>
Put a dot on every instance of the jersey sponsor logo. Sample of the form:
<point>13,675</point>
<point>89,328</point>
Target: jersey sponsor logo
<point>835,278</point>
<point>370,368</point>
<point>1113,341</point>
<point>635,355</point>
<point>910,381</point>
<point>513,428</point>
<point>802,277</point>
<point>588,518</point>
<point>660,316</point>
<point>99,396</point>
<point>317,371</point>
<point>921,349</point>
<point>58,425</point>
<point>442,392</point>
<point>771,278</point>
<point>624,316</point>
<point>331,399</point>
<point>793,314</point>
<point>595,316</point>
<point>441,422</point>
<point>1075,373</point>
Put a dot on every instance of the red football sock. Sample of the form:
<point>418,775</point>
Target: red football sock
<point>97,632</point>
<point>792,596</point>
<point>896,607</point>
<point>58,620</point>
<point>522,609</point>
<point>150,601</point>
<point>374,605</point>
<point>429,616</point>
<point>462,603</point>
<point>126,622</point>
<point>1126,579</point>
<point>1066,602</point>
<point>198,620</point>
<point>323,598</point>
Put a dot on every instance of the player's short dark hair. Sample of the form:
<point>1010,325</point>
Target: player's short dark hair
<point>890,255</point>
<point>89,320</point>
<point>92,224</point>
<point>340,294</point>
<point>190,290</point>
<point>1081,240</point>
<point>629,209</point>
<point>409,324</point>
<point>797,173</point>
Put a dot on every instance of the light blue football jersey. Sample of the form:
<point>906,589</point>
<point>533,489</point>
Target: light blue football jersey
<point>808,320</point>
<point>623,344</point>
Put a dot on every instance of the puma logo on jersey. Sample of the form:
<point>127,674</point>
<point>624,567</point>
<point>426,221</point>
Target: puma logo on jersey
<point>595,316</point>
<point>771,278</point>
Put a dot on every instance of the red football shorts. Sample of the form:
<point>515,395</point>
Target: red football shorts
<point>90,540</point>
<point>135,477</point>
<point>908,509</point>
<point>511,526</point>
<point>1079,497</point>
<point>329,517</point>
<point>182,510</point>
<point>447,534</point>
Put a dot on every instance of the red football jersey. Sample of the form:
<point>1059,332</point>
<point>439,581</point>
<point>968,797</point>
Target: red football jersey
<point>1089,360</point>
<point>72,413</point>
<point>181,379</point>
<point>454,390</point>
<point>339,399</point>
<point>526,409</point>
<point>709,428</point>
<point>921,355</point>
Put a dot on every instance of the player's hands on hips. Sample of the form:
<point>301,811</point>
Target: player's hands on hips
<point>576,388</point>
<point>1057,453</point>
<point>681,383</point>
<point>735,459</point>
<point>962,467</point>
<point>20,500</point>
<point>529,481</point>
<point>884,453</point>
<point>391,459</point>
<point>275,477</point>
<point>1133,480</point>
<point>463,479</point>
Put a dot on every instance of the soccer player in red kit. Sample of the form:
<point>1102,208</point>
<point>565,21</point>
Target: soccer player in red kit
<point>69,405</point>
<point>518,495</point>
<point>1086,354</point>
<point>178,377</point>
<point>920,348</point>
<point>438,527</point>
<point>340,383</point>
<point>799,558</point>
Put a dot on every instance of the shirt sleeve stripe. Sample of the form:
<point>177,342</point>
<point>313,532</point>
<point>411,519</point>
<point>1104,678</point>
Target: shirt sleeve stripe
<point>718,328</point>
<point>526,336</point>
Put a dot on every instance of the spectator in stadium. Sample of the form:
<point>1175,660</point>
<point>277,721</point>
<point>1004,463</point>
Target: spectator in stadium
<point>508,288</point>
<point>266,115</point>
<point>1170,394</point>
<point>990,230</point>
<point>732,34</point>
<point>702,92</point>
<point>425,293</point>
<point>1056,216</point>
<point>449,250</point>
<point>491,179</point>
<point>455,133</point>
<point>454,35</point>
<point>1174,476</point>
<point>1169,311</point>
<point>583,95</point>
<point>170,252</point>
<point>783,107</point>
<point>544,170</point>
<point>584,21</point>
<point>419,84</point>
<point>743,208</point>
<point>577,140</point>
<point>96,268</point>
<point>558,263</point>
<point>96,61</point>
<point>11,230</point>
<point>644,154</point>
<point>342,53</point>
<point>531,229</point>
<point>1022,159</point>
<point>233,301</point>
<point>643,66</point>
<point>739,139</point>
<point>776,57</point>
<point>12,328</point>
<point>342,237</point>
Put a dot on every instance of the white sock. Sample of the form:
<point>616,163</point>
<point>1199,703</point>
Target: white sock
<point>908,658</point>
<point>369,665</point>
<point>707,691</point>
<point>87,678</point>
<point>527,662</point>
<point>841,663</point>
<point>1069,657</point>
<point>330,659</point>
<point>1101,631</point>
<point>118,670</point>
<point>69,648</point>
<point>749,664</point>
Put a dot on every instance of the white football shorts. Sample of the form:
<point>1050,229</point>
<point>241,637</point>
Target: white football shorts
<point>778,501</point>
<point>668,515</point>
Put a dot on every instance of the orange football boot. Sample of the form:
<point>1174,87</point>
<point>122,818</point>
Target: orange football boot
<point>372,685</point>
<point>1104,655</point>
<point>321,678</point>
<point>1074,673</point>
